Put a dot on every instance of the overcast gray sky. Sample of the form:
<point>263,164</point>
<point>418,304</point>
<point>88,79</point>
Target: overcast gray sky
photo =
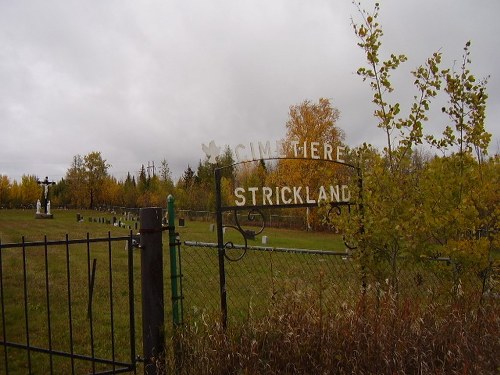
<point>146,80</point>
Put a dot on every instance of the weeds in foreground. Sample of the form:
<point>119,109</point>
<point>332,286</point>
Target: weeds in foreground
<point>388,336</point>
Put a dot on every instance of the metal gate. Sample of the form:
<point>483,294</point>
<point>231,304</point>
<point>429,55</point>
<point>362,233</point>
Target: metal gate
<point>69,306</point>
<point>75,299</point>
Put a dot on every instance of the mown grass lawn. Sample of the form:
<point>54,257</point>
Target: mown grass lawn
<point>14,224</point>
<point>200,271</point>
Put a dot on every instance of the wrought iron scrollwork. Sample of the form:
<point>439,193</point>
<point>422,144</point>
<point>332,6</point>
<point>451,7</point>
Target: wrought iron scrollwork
<point>348,245</point>
<point>253,216</point>
<point>230,245</point>
<point>337,209</point>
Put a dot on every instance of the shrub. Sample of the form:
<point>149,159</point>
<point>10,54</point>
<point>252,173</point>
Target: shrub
<point>367,336</point>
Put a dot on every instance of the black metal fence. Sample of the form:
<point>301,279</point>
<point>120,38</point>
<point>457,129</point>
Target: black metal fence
<point>70,306</point>
<point>67,306</point>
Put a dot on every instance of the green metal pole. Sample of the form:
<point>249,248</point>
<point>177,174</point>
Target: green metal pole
<point>174,274</point>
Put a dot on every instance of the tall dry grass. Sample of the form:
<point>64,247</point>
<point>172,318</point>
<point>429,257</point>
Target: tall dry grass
<point>368,336</point>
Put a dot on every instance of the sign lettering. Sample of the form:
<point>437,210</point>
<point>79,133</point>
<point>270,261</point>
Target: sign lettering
<point>290,195</point>
<point>285,195</point>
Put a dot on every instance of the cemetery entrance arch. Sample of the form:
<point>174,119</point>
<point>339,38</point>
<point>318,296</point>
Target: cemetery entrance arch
<point>334,197</point>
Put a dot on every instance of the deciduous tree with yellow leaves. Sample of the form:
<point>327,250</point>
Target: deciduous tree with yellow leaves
<point>445,206</point>
<point>309,123</point>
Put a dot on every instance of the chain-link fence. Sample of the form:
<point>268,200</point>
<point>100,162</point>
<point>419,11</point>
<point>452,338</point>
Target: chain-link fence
<point>273,220</point>
<point>260,275</point>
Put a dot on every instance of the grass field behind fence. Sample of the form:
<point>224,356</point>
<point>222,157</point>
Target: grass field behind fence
<point>16,226</point>
<point>200,271</point>
<point>254,283</point>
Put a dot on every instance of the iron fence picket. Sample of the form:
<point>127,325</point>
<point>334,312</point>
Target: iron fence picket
<point>35,267</point>
<point>26,319</point>
<point>2,306</point>
<point>47,291</point>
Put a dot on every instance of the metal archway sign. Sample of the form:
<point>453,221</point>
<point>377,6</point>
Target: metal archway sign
<point>277,197</point>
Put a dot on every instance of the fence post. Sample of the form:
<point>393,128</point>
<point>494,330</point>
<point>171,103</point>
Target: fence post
<point>221,249</point>
<point>174,269</point>
<point>153,320</point>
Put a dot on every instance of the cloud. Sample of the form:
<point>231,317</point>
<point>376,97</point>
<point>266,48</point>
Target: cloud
<point>144,81</point>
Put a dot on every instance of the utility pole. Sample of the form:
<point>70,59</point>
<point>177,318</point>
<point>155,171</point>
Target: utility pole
<point>151,166</point>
